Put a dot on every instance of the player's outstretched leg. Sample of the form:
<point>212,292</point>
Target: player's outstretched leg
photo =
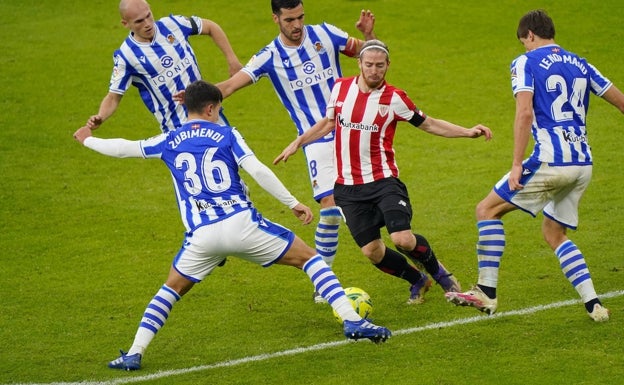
<point>424,256</point>
<point>326,239</point>
<point>154,318</point>
<point>326,283</point>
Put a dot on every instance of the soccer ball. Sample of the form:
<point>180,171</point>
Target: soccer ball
<point>361,302</point>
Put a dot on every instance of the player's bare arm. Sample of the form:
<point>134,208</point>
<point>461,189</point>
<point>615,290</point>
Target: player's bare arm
<point>239,80</point>
<point>107,108</point>
<point>320,129</point>
<point>522,134</point>
<point>304,213</point>
<point>615,97</point>
<point>227,87</point>
<point>219,37</point>
<point>82,134</point>
<point>447,129</point>
<point>365,24</point>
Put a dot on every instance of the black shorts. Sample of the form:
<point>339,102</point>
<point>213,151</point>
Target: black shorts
<point>369,207</point>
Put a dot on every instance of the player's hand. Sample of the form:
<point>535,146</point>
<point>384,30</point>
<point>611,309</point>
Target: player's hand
<point>234,67</point>
<point>288,151</point>
<point>178,97</point>
<point>366,23</point>
<point>480,130</point>
<point>304,213</point>
<point>82,133</point>
<point>94,122</point>
<point>514,178</point>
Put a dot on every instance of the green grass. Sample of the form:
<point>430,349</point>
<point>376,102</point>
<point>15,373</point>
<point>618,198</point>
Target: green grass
<point>87,240</point>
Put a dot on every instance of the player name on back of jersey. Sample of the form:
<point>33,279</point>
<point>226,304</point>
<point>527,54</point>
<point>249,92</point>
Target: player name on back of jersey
<point>552,58</point>
<point>202,132</point>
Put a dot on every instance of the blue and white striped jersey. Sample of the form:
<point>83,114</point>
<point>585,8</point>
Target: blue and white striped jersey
<point>302,76</point>
<point>203,159</point>
<point>160,68</point>
<point>560,82</point>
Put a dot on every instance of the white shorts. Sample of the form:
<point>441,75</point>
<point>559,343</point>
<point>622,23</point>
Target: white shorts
<point>555,190</point>
<point>245,235</point>
<point>321,168</point>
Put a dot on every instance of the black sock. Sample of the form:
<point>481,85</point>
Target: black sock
<point>489,291</point>
<point>424,255</point>
<point>395,264</point>
<point>590,304</point>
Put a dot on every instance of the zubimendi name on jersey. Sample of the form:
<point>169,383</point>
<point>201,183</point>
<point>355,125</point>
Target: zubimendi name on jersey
<point>196,133</point>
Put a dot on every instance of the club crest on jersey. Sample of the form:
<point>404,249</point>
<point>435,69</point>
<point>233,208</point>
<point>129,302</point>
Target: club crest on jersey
<point>116,74</point>
<point>383,109</point>
<point>318,46</point>
<point>171,39</point>
<point>251,60</point>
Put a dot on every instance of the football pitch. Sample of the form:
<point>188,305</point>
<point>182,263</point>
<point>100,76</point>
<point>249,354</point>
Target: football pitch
<point>87,240</point>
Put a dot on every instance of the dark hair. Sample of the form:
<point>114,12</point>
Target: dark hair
<point>538,22</point>
<point>199,94</point>
<point>277,5</point>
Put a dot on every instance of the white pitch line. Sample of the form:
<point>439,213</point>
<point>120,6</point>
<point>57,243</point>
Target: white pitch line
<point>327,345</point>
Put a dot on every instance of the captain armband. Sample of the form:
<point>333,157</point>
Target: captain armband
<point>418,118</point>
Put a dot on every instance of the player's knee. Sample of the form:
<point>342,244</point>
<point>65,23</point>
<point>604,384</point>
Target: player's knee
<point>403,240</point>
<point>330,216</point>
<point>374,251</point>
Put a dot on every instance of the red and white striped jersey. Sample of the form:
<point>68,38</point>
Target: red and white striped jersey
<point>365,128</point>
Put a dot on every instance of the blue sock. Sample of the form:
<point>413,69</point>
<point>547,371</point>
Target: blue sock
<point>490,248</point>
<point>326,236</point>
